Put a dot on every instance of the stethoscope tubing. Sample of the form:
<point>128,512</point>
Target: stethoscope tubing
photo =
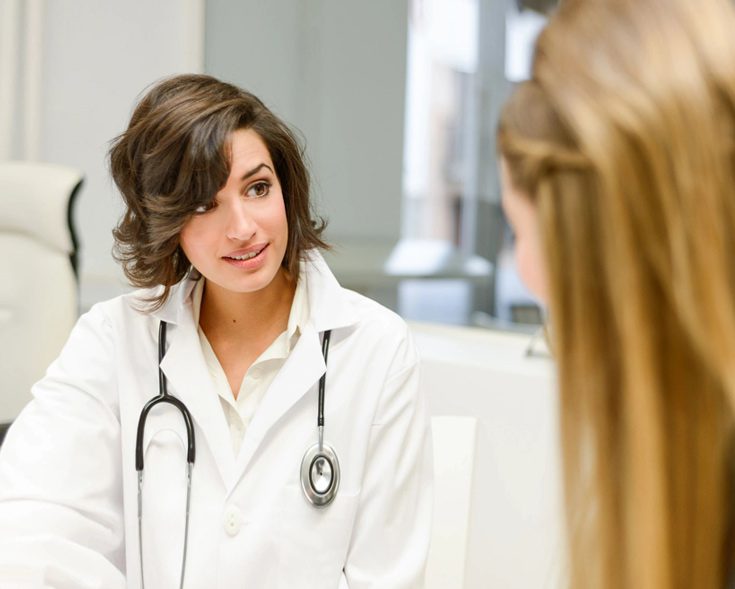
<point>323,378</point>
<point>164,397</point>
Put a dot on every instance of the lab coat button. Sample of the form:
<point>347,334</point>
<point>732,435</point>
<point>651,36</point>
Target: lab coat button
<point>233,521</point>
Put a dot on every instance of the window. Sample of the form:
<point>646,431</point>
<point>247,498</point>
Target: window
<point>463,56</point>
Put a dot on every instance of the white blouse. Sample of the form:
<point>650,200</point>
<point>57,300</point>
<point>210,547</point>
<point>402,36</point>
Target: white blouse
<point>239,412</point>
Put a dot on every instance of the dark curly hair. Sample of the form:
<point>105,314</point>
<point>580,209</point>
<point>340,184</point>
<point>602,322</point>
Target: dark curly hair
<point>174,158</point>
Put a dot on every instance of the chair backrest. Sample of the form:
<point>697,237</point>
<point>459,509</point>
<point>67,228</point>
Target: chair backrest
<point>454,461</point>
<point>38,284</point>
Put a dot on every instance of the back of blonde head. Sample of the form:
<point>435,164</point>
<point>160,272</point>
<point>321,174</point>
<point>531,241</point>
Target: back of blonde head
<point>625,139</point>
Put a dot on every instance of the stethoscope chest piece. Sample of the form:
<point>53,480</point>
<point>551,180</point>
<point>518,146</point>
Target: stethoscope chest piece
<point>320,475</point>
<point>320,467</point>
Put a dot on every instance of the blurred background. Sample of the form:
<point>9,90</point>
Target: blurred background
<point>396,101</point>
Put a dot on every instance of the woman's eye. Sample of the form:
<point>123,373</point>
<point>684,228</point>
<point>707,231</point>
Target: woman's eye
<point>258,190</point>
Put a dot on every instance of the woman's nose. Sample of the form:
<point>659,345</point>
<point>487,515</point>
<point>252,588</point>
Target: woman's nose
<point>240,224</point>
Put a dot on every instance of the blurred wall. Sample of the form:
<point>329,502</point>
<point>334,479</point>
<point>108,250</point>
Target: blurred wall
<point>334,70</point>
<point>97,58</point>
<point>337,71</point>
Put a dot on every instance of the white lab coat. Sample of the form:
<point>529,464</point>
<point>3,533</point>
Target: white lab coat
<point>68,510</point>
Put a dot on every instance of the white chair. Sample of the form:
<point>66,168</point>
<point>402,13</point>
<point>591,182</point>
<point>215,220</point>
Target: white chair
<point>454,459</point>
<point>515,529</point>
<point>38,288</point>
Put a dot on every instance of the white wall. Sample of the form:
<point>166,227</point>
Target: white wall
<point>97,58</point>
<point>337,71</point>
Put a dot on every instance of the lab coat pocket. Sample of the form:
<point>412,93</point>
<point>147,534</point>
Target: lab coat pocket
<point>314,540</point>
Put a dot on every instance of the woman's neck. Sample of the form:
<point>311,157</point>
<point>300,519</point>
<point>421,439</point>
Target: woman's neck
<point>247,316</point>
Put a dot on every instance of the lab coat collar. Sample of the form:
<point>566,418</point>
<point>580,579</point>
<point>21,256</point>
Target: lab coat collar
<point>176,306</point>
<point>328,305</point>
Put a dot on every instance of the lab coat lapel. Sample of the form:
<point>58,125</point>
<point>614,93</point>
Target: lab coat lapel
<point>328,309</point>
<point>300,372</point>
<point>189,380</point>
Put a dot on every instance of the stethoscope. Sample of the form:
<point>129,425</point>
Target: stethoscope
<point>320,469</point>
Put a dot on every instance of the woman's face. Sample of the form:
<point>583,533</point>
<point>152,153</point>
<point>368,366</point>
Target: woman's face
<point>240,241</point>
<point>523,218</point>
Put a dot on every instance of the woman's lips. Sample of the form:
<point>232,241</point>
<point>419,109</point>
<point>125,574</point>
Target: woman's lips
<point>249,258</point>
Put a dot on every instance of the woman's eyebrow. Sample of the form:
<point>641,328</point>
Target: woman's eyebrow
<point>255,170</point>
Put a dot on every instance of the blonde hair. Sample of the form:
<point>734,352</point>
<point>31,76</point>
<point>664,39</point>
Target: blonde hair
<point>625,141</point>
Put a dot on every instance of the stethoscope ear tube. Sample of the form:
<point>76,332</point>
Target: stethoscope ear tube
<point>164,397</point>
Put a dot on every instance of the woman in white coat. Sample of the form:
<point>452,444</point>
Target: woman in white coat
<point>218,230</point>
